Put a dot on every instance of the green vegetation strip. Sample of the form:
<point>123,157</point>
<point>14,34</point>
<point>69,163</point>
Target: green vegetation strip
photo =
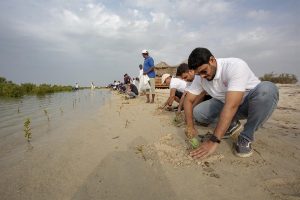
<point>10,89</point>
<point>280,78</point>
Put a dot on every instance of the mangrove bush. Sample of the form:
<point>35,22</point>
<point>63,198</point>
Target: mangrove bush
<point>280,78</point>
<point>10,89</point>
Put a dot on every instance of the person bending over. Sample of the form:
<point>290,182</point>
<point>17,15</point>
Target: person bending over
<point>177,87</point>
<point>236,94</point>
<point>132,90</point>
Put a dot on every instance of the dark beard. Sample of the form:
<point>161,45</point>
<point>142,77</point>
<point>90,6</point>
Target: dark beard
<point>211,78</point>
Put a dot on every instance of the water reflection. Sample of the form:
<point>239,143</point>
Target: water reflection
<point>46,112</point>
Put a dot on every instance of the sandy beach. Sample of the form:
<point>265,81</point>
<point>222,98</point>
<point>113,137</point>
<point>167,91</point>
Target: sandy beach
<point>132,150</point>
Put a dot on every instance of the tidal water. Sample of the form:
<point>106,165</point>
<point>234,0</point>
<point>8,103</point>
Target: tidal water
<point>46,114</point>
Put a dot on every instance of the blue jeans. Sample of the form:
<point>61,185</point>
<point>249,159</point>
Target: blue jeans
<point>257,107</point>
<point>132,94</point>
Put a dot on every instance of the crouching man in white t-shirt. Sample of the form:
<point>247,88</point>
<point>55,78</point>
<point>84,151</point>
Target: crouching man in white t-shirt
<point>188,75</point>
<point>177,87</point>
<point>236,94</point>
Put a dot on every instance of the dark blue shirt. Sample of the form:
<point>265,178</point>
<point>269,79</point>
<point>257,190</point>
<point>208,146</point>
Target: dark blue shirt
<point>148,63</point>
<point>134,89</point>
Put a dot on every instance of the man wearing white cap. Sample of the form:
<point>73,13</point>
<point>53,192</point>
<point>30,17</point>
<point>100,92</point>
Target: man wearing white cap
<point>177,88</point>
<point>149,70</point>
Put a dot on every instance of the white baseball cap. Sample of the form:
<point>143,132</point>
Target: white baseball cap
<point>145,51</point>
<point>164,77</point>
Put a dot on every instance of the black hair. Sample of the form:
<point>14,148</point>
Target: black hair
<point>182,68</point>
<point>198,57</point>
<point>141,66</point>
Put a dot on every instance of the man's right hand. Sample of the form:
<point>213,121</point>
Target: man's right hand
<point>190,132</point>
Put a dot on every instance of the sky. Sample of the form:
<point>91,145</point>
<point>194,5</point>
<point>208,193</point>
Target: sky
<point>84,41</point>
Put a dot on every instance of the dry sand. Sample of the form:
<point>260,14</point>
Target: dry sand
<point>131,150</point>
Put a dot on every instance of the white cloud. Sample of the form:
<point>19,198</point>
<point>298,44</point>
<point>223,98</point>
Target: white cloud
<point>160,19</point>
<point>111,36</point>
<point>203,11</point>
<point>70,18</point>
<point>253,37</point>
<point>259,14</point>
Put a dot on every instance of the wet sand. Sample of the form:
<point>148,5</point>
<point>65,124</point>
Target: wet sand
<point>131,150</point>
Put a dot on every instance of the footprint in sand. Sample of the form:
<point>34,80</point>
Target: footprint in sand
<point>285,188</point>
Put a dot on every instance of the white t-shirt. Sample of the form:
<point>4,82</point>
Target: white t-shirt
<point>178,84</point>
<point>233,74</point>
<point>141,73</point>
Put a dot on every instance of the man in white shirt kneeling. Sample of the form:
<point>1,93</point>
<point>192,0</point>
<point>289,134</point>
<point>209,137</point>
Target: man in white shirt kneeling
<point>236,94</point>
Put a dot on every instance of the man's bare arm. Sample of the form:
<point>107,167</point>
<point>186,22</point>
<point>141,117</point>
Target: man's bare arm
<point>199,98</point>
<point>181,101</point>
<point>171,98</point>
<point>233,100</point>
<point>188,108</point>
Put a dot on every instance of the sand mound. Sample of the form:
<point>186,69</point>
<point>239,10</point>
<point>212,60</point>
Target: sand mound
<point>168,150</point>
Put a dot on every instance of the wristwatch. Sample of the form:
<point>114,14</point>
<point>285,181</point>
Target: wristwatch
<point>214,139</point>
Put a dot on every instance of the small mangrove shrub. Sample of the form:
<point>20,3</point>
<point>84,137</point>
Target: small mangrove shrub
<point>46,113</point>
<point>280,78</point>
<point>10,89</point>
<point>27,130</point>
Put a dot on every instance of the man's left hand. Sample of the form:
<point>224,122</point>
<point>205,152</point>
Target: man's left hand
<point>206,149</point>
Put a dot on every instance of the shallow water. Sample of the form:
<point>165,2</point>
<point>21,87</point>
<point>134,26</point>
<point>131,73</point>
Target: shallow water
<point>47,114</point>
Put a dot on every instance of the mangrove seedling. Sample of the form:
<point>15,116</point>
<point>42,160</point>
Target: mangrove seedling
<point>126,124</point>
<point>27,130</point>
<point>140,149</point>
<point>46,113</point>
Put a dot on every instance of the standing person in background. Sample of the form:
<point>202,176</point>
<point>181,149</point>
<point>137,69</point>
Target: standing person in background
<point>149,70</point>
<point>137,82</point>
<point>76,86</point>
<point>92,86</point>
<point>141,74</point>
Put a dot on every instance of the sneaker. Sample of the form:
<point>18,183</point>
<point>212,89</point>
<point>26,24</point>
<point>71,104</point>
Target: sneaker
<point>242,147</point>
<point>234,131</point>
